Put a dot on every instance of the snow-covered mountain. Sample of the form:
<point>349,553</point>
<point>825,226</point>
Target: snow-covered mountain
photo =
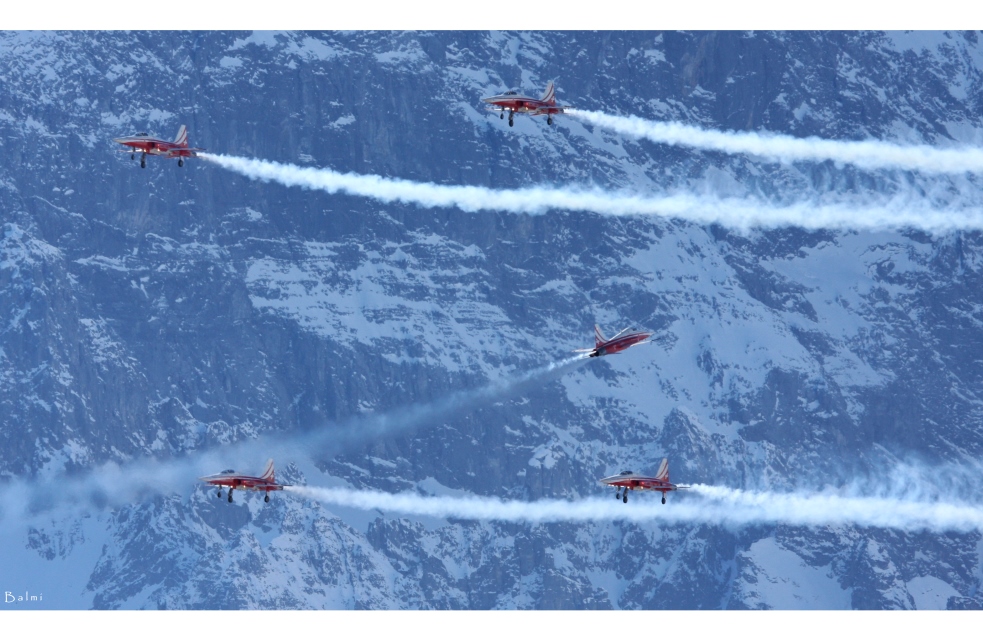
<point>162,312</point>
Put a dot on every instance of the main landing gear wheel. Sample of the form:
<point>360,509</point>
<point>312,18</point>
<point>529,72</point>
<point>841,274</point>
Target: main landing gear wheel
<point>230,496</point>
<point>133,156</point>
<point>663,500</point>
<point>143,162</point>
<point>267,499</point>
<point>625,498</point>
<point>549,120</point>
<point>502,116</point>
<point>180,163</point>
<point>617,495</point>
<point>219,494</point>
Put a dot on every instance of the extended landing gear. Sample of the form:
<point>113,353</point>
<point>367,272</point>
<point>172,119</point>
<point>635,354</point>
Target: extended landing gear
<point>663,499</point>
<point>511,113</point>
<point>549,120</point>
<point>219,494</point>
<point>143,161</point>
<point>502,116</point>
<point>230,496</point>
<point>180,162</point>
<point>617,495</point>
<point>624,499</point>
<point>267,499</point>
<point>133,156</point>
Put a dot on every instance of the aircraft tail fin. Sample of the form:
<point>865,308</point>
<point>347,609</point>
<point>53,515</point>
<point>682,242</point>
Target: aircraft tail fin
<point>269,473</point>
<point>182,136</point>
<point>599,337</point>
<point>663,473</point>
<point>549,96</point>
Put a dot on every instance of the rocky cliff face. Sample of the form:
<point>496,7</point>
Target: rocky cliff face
<point>164,311</point>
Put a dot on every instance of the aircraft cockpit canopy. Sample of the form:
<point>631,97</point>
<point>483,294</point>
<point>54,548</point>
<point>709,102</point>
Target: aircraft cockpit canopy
<point>142,135</point>
<point>511,93</point>
<point>626,473</point>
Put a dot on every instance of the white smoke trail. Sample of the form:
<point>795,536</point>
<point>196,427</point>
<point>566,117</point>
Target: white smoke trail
<point>119,484</point>
<point>409,418</point>
<point>870,154</point>
<point>751,507</point>
<point>732,212</point>
<point>714,505</point>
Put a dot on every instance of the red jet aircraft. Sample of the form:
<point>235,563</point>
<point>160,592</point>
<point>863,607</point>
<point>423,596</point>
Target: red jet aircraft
<point>153,146</point>
<point>617,343</point>
<point>514,103</point>
<point>265,483</point>
<point>632,481</point>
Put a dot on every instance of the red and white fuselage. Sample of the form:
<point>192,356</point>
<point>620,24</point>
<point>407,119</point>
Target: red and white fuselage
<point>146,145</point>
<point>266,482</point>
<point>619,342</point>
<point>629,480</point>
<point>512,102</point>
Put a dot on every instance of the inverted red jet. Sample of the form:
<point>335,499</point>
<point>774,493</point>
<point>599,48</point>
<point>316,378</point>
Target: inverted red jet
<point>263,483</point>
<point>629,480</point>
<point>147,145</point>
<point>514,103</point>
<point>621,341</point>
